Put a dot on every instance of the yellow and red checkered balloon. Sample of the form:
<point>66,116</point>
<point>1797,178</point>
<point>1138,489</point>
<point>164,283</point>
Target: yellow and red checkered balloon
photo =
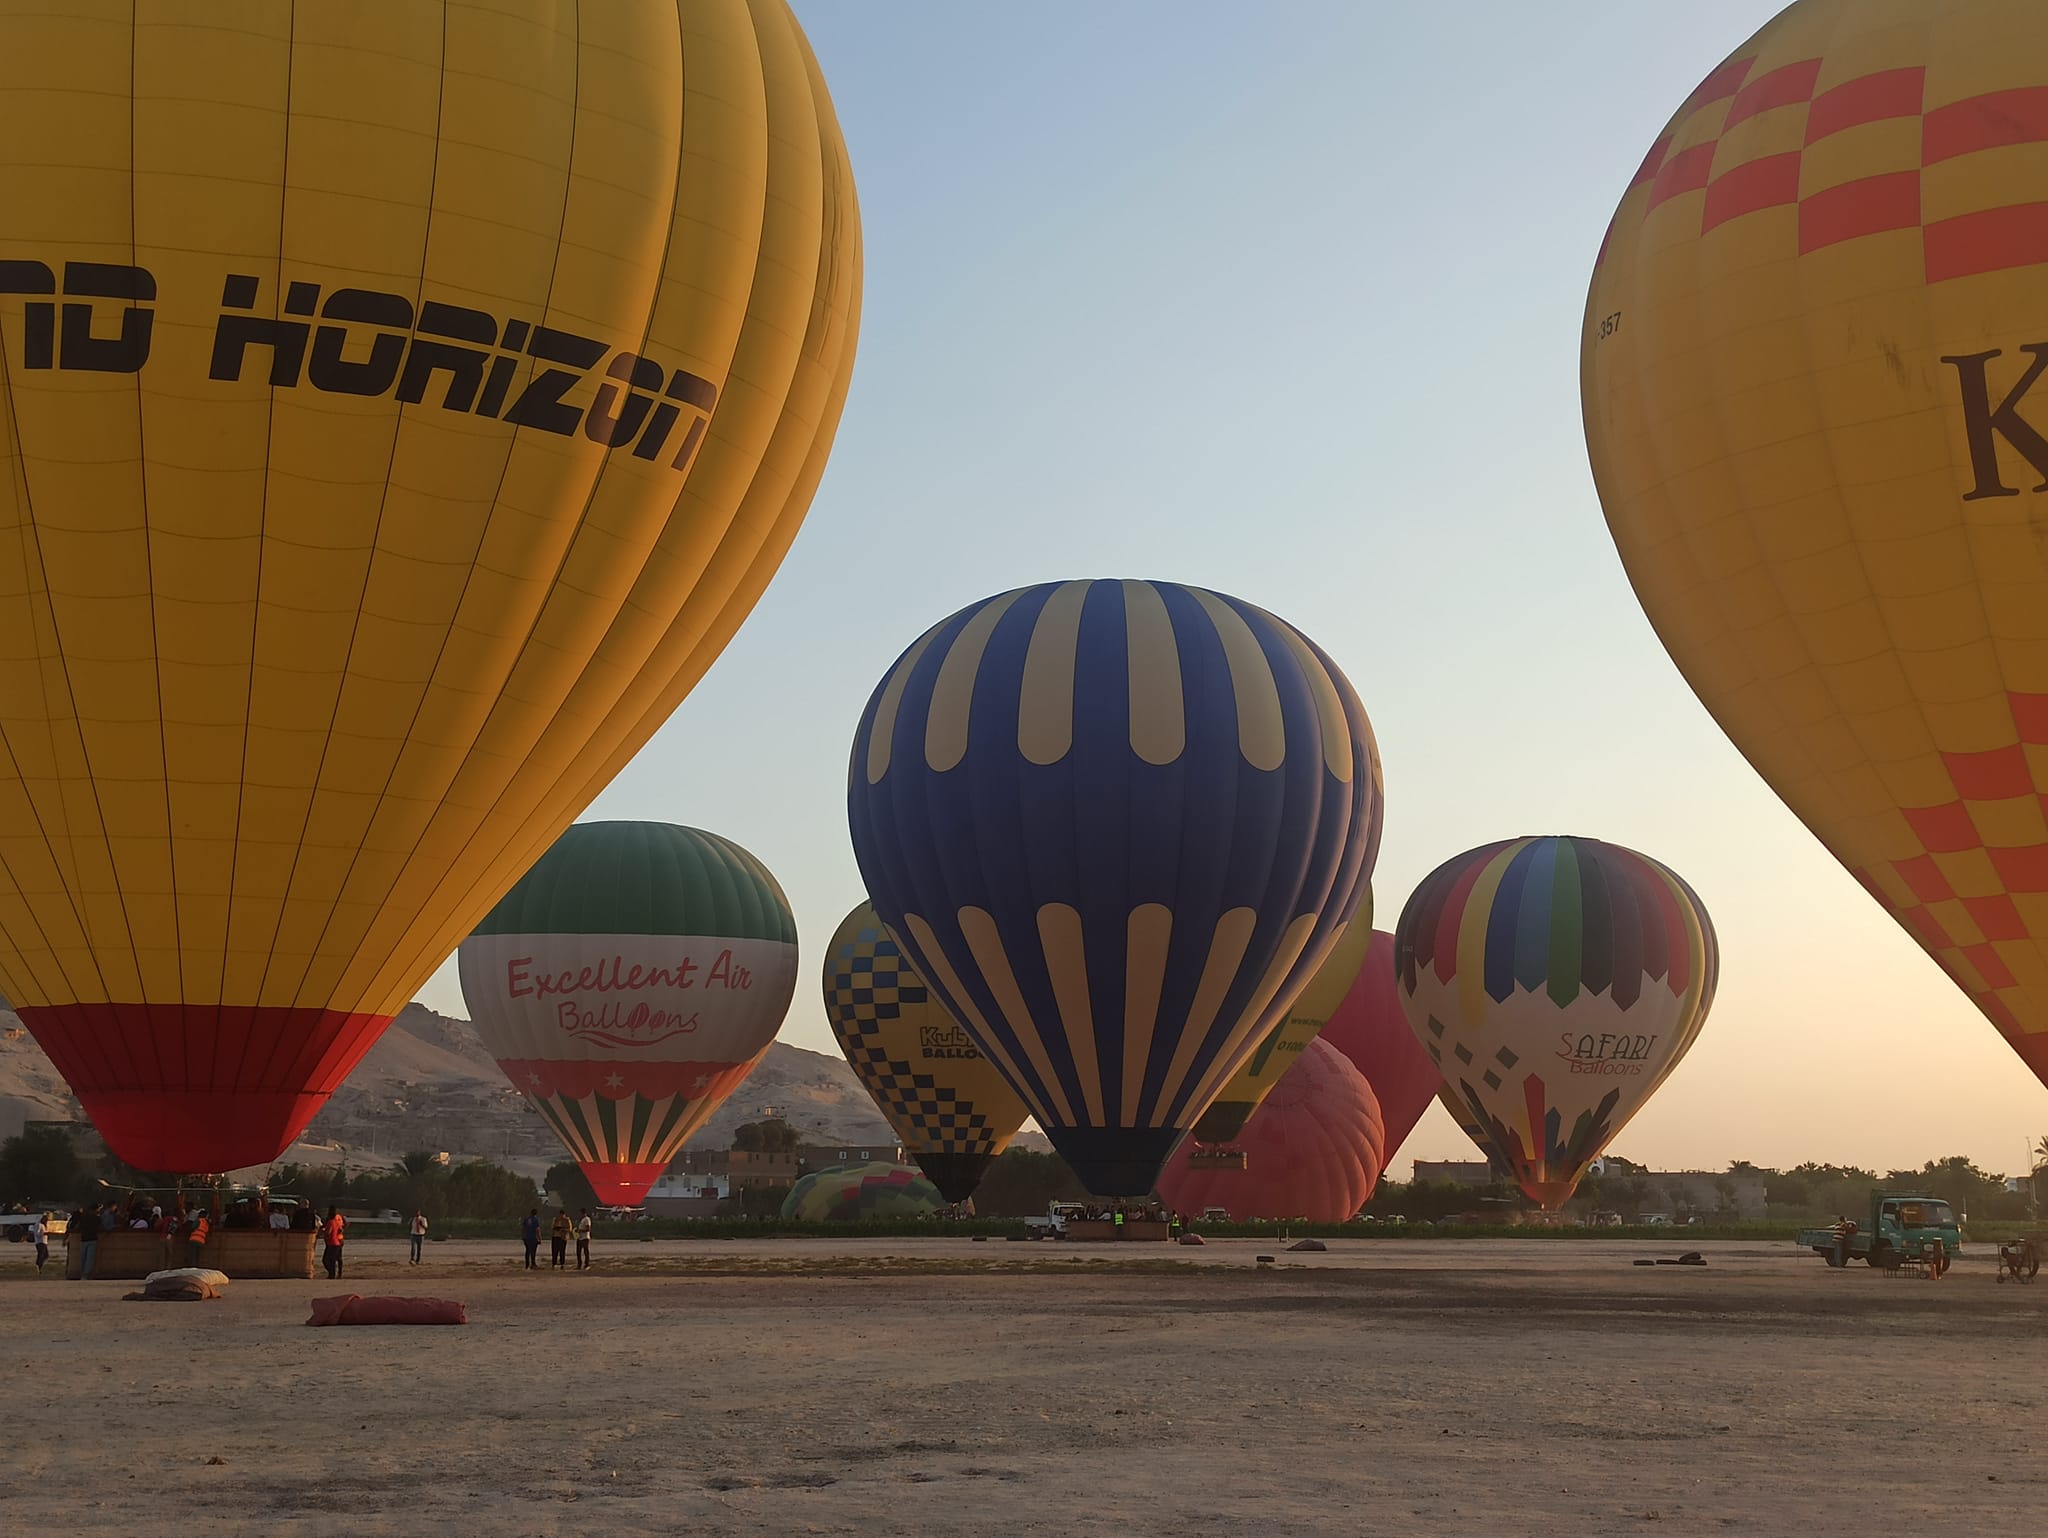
<point>1812,374</point>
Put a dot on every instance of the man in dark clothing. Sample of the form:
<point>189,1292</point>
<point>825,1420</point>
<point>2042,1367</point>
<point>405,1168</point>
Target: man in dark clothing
<point>529,1231</point>
<point>86,1224</point>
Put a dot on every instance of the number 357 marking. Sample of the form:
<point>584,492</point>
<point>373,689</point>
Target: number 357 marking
<point>1609,325</point>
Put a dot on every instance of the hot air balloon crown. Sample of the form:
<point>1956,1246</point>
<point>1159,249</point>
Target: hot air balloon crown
<point>1116,825</point>
<point>638,880</point>
<point>1557,915</point>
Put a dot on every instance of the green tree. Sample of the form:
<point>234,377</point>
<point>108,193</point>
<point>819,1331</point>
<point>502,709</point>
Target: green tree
<point>1969,1190</point>
<point>40,1165</point>
<point>1023,1183</point>
<point>566,1182</point>
<point>771,1136</point>
<point>481,1189</point>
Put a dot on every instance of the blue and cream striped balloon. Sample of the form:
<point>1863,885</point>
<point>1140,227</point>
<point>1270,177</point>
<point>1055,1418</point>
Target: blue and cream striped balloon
<point>1117,826</point>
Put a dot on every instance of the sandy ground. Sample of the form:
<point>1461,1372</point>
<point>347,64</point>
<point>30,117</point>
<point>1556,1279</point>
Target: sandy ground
<point>945,1387</point>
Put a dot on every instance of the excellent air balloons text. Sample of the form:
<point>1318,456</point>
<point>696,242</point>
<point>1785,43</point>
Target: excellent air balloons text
<point>615,976</point>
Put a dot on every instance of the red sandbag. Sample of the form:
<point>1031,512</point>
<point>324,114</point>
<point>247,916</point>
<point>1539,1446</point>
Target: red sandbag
<point>355,1309</point>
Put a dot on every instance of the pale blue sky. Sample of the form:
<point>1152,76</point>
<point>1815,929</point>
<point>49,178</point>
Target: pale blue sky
<point>1285,300</point>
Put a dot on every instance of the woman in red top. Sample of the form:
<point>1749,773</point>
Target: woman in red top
<point>335,1232</point>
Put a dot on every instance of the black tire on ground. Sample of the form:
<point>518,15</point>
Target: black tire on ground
<point>1836,1257</point>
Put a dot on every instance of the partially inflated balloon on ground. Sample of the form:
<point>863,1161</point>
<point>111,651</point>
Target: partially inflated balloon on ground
<point>1116,826</point>
<point>1312,1150</point>
<point>404,402</point>
<point>1283,1045</point>
<point>627,985</point>
<point>1369,1027</point>
<point>1812,366</point>
<point>944,1099</point>
<point>1556,981</point>
<point>862,1191</point>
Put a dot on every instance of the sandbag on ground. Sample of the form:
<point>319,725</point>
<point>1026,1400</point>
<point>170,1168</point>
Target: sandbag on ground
<point>175,1287</point>
<point>356,1309</point>
<point>205,1274</point>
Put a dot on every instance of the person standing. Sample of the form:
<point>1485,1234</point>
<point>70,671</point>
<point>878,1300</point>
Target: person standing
<point>196,1237</point>
<point>583,1241</point>
<point>529,1231</point>
<point>86,1225</point>
<point>558,1237</point>
<point>419,1234</point>
<point>39,1236</point>
<point>334,1232</point>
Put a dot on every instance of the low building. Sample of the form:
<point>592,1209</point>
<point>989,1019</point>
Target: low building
<point>1461,1172</point>
<point>832,1156</point>
<point>687,1196</point>
<point>1651,1195</point>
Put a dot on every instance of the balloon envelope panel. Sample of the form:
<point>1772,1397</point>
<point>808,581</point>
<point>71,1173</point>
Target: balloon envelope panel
<point>1313,1150</point>
<point>1556,982</point>
<point>627,985</point>
<point>1369,1027</point>
<point>1284,1044</point>
<point>404,402</point>
<point>1811,374</point>
<point>1116,826</point>
<point>942,1097</point>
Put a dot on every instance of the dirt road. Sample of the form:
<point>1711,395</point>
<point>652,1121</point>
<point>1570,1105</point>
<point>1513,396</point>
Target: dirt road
<point>906,1387</point>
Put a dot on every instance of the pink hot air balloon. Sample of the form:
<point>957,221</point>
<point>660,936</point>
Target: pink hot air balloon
<point>1312,1150</point>
<point>1369,1028</point>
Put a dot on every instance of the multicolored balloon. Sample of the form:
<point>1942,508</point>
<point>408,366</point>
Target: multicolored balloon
<point>1282,1048</point>
<point>627,985</point>
<point>1116,826</point>
<point>1313,1150</point>
<point>1369,1027</point>
<point>404,404</point>
<point>1811,368</point>
<point>862,1191</point>
<point>1469,1123</point>
<point>1557,981</point>
<point>944,1099</point>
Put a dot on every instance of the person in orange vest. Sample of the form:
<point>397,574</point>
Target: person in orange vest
<point>195,1238</point>
<point>335,1233</point>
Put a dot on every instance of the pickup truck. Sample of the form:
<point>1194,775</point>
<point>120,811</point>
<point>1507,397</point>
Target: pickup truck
<point>1901,1229</point>
<point>1054,1224</point>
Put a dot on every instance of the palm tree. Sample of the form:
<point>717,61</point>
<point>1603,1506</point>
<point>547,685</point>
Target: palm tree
<point>2040,1152</point>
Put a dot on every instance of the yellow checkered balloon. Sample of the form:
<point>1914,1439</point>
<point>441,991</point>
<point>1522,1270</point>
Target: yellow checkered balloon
<point>1812,369</point>
<point>944,1099</point>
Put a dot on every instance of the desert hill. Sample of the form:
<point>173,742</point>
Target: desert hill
<point>429,1084</point>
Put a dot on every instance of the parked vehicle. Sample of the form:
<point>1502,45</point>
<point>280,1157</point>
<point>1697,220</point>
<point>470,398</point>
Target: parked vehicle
<point>1902,1229</point>
<point>1054,1224</point>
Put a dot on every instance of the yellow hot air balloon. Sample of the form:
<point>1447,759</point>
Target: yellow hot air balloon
<point>404,403</point>
<point>1812,363</point>
<point>1281,1050</point>
<point>946,1101</point>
